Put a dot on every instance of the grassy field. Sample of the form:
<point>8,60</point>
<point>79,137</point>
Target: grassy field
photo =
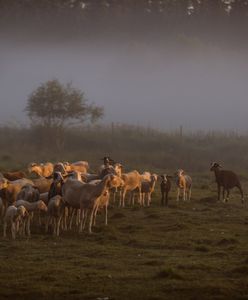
<point>196,250</point>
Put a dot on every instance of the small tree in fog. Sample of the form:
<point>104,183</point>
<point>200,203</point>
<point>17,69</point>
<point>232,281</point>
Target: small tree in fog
<point>53,107</point>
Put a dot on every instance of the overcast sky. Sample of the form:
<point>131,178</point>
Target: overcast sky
<point>152,84</point>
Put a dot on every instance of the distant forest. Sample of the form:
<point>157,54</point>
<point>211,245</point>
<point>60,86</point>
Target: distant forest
<point>222,20</point>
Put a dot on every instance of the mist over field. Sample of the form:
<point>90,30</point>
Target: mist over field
<point>160,81</point>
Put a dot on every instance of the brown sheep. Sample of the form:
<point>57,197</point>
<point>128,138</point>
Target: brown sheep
<point>30,207</point>
<point>42,170</point>
<point>165,187</point>
<point>55,213</point>
<point>184,183</point>
<point>227,180</point>
<point>81,166</point>
<point>14,175</point>
<point>132,180</point>
<point>14,216</point>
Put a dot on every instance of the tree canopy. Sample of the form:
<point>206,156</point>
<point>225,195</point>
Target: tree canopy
<point>55,105</point>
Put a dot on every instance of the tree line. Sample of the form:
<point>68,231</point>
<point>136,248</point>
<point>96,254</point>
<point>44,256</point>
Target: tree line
<point>164,7</point>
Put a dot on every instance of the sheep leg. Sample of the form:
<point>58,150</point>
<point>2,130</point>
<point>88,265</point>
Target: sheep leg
<point>54,225</point>
<point>131,199</point>
<point>22,230</point>
<point>82,220</point>
<point>140,196</point>
<point>28,226</point>
<point>39,218</point>
<point>91,220</point>
<point>223,195</point>
<point>47,223</point>
<point>94,215</point>
<point>241,193</point>
<point>178,194</point>
<point>64,218</point>
<point>4,228</point>
<point>218,192</point>
<point>189,193</point>
<point>114,194</point>
<point>17,226</point>
<point>149,199</point>
<point>123,198</point>
<point>184,194</point>
<point>120,194</point>
<point>78,217</point>
<point>13,229</point>
<point>71,218</point>
<point>106,215</point>
<point>162,198</point>
<point>142,199</point>
<point>58,225</point>
<point>227,196</point>
<point>166,199</point>
<point>85,218</point>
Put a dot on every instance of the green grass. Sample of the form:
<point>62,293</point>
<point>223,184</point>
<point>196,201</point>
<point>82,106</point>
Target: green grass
<point>196,250</point>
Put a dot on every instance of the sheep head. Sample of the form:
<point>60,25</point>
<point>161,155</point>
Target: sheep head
<point>215,166</point>
<point>22,212</point>
<point>42,206</point>
<point>3,183</point>
<point>180,172</point>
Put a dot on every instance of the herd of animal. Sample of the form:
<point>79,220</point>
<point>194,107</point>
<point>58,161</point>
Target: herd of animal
<point>67,193</point>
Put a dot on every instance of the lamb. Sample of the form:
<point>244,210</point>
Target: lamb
<point>30,207</point>
<point>55,211</point>
<point>14,216</point>
<point>103,201</point>
<point>147,188</point>
<point>2,208</point>
<point>42,170</point>
<point>90,195</point>
<point>28,193</point>
<point>227,180</point>
<point>165,187</point>
<point>14,175</point>
<point>184,182</point>
<point>132,180</point>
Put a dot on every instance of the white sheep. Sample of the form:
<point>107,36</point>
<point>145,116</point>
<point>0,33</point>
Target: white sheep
<point>184,183</point>
<point>147,188</point>
<point>132,181</point>
<point>30,207</point>
<point>55,213</point>
<point>14,215</point>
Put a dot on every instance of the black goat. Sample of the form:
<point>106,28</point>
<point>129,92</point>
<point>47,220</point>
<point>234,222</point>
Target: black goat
<point>165,187</point>
<point>227,180</point>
